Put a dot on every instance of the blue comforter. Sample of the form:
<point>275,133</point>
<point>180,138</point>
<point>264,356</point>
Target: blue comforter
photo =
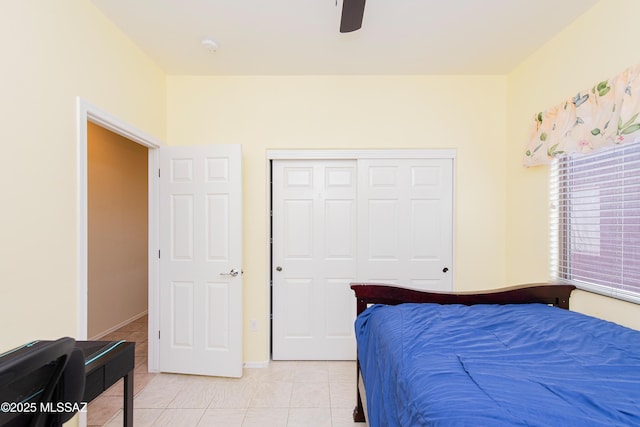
<point>489,365</point>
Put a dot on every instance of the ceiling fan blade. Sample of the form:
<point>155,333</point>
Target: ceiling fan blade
<point>352,13</point>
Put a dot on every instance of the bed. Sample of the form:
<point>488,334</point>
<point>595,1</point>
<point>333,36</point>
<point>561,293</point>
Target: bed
<point>513,356</point>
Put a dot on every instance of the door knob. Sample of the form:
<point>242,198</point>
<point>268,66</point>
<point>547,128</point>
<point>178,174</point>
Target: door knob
<point>278,268</point>
<point>232,273</point>
<point>444,270</point>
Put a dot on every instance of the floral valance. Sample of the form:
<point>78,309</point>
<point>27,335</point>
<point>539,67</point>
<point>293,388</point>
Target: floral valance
<point>603,116</point>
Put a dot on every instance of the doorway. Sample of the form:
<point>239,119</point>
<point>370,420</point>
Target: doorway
<point>117,231</point>
<point>88,113</point>
<point>216,167</point>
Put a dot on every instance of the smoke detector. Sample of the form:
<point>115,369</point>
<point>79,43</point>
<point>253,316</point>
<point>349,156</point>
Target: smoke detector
<point>209,44</point>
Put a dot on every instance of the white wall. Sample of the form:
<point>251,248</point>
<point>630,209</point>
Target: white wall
<point>598,45</point>
<point>355,112</point>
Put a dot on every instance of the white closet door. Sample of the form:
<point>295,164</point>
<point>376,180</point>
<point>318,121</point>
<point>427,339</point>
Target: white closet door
<point>338,221</point>
<point>314,259</point>
<point>405,222</point>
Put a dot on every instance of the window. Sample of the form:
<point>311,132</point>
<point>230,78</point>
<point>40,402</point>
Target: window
<point>595,204</point>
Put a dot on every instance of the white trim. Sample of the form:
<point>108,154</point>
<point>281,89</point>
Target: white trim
<point>153,359</point>
<point>85,113</point>
<point>606,291</point>
<point>256,365</point>
<point>360,154</point>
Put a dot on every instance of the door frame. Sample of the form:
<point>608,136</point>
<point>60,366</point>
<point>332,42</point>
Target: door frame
<point>87,112</point>
<point>426,153</point>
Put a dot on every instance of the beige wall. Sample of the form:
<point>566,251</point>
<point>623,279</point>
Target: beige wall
<point>118,230</point>
<point>466,113</point>
<point>598,45</point>
<point>53,52</point>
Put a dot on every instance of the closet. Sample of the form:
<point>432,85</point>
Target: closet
<point>376,217</point>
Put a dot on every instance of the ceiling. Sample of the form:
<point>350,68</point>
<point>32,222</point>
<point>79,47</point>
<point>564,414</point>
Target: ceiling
<point>298,37</point>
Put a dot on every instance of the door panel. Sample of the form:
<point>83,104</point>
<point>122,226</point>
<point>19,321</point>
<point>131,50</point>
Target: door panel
<point>200,244</point>
<point>405,226</point>
<point>338,316</point>
<point>218,316</point>
<point>298,214</point>
<point>383,231</point>
<point>299,313</point>
<point>339,241</point>
<point>181,227</point>
<point>314,245</point>
<point>182,314</point>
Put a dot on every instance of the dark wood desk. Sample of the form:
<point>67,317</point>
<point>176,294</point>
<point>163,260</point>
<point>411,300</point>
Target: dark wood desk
<point>105,363</point>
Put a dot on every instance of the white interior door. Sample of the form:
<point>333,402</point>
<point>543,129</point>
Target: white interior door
<point>405,222</point>
<point>201,260</point>
<point>314,259</point>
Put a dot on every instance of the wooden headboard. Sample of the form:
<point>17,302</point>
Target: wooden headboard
<point>542,293</point>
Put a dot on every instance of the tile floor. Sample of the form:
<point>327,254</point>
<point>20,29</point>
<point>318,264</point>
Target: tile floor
<point>288,394</point>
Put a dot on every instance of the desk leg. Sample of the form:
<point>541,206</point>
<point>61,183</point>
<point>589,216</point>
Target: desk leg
<point>128,399</point>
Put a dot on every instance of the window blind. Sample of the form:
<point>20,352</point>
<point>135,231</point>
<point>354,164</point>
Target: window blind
<point>595,206</point>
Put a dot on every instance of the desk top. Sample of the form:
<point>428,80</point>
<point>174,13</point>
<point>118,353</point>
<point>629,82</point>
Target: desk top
<point>93,350</point>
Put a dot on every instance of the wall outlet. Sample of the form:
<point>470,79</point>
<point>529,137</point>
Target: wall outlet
<point>254,325</point>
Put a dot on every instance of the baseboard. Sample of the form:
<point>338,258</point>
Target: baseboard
<point>248,365</point>
<point>256,365</point>
<point>118,326</point>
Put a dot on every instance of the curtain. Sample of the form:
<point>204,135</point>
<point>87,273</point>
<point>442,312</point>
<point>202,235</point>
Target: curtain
<point>603,116</point>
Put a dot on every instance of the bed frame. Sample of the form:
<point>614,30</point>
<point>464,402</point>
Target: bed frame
<point>369,293</point>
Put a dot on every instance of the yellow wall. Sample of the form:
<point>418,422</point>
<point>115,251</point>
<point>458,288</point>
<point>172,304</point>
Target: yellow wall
<point>54,51</point>
<point>598,45</point>
<point>315,112</point>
